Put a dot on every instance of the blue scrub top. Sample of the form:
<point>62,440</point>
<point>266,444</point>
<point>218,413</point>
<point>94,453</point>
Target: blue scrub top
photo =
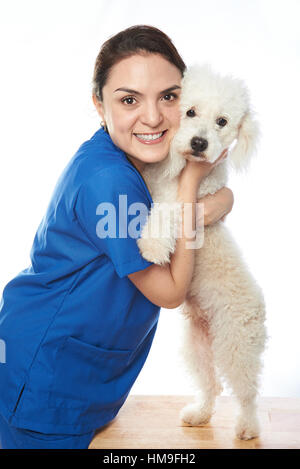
<point>77,331</point>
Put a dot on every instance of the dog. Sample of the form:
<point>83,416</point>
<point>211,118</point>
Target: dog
<point>224,333</point>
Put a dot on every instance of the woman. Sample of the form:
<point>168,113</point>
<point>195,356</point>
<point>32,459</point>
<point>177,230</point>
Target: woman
<point>78,323</point>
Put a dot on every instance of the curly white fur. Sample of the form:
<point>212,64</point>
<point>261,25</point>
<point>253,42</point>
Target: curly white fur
<point>224,311</point>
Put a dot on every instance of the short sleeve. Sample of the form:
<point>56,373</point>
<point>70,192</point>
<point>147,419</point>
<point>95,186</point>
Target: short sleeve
<point>112,208</point>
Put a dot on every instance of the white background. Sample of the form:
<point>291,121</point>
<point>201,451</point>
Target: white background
<point>48,49</point>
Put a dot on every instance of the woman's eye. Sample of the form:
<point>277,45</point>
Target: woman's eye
<point>191,113</point>
<point>170,97</point>
<point>128,100</point>
<point>221,121</point>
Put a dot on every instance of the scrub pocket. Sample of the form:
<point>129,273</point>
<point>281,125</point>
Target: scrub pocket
<point>88,376</point>
<point>19,438</point>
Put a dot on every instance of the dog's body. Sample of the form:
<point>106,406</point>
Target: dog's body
<point>224,309</point>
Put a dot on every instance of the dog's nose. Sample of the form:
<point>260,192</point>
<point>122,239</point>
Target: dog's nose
<point>199,144</point>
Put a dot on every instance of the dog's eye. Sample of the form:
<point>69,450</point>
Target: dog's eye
<point>221,121</point>
<point>190,113</point>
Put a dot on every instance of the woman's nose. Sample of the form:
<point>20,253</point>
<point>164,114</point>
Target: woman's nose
<point>151,115</point>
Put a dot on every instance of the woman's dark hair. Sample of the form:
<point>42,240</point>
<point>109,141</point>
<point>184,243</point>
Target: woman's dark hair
<point>133,40</point>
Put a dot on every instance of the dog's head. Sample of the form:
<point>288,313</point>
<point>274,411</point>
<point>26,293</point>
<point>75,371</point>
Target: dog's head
<point>215,114</point>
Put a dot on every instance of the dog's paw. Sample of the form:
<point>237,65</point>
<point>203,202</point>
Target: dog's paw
<point>196,414</point>
<point>153,250</point>
<point>246,429</point>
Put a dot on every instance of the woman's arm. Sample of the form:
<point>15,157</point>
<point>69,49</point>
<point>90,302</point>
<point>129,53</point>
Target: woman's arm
<point>167,285</point>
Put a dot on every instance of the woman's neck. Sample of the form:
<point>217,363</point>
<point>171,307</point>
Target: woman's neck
<point>139,165</point>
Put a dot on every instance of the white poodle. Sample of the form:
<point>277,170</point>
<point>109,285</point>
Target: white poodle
<point>224,332</point>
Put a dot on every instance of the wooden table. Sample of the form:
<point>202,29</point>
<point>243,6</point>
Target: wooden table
<point>153,422</point>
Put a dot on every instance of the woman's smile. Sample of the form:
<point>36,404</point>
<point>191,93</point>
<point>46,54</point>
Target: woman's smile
<point>150,138</point>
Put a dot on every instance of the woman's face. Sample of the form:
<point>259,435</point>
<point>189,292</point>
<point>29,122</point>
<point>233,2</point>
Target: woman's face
<point>141,107</point>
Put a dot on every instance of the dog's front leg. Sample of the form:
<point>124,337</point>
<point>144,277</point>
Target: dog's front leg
<point>159,234</point>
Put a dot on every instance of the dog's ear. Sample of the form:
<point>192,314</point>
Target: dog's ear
<point>247,140</point>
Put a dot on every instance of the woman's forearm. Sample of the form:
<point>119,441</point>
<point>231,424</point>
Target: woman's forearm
<point>182,260</point>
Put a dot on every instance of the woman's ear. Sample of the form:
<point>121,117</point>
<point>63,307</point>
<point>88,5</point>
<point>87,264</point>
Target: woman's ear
<point>99,106</point>
<point>247,140</point>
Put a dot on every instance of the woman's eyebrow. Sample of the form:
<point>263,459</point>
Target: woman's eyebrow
<point>128,90</point>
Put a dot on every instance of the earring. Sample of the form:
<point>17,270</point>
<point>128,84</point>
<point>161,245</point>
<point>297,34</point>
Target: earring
<point>103,125</point>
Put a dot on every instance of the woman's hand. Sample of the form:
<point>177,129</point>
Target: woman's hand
<point>195,171</point>
<point>216,206</point>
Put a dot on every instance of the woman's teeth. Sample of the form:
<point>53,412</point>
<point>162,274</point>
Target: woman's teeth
<point>149,136</point>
